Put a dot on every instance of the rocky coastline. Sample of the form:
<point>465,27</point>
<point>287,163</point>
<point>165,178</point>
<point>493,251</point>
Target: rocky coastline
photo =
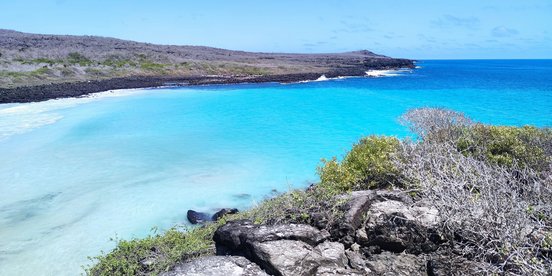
<point>44,92</point>
<point>38,67</point>
<point>381,232</point>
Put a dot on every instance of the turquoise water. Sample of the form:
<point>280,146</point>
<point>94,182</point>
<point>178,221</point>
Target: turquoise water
<point>76,172</point>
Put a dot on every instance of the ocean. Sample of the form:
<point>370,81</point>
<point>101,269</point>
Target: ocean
<point>75,173</point>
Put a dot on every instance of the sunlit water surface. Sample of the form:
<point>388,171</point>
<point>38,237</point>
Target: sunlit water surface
<point>76,172</point>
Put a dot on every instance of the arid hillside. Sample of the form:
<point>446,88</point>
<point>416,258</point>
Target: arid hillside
<point>35,59</point>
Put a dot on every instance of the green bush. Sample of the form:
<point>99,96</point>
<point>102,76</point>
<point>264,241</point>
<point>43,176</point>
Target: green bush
<point>41,71</point>
<point>152,66</point>
<point>368,165</point>
<point>155,253</point>
<point>37,61</point>
<point>505,145</point>
<point>78,58</point>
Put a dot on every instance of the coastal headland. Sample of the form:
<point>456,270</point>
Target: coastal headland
<point>36,67</point>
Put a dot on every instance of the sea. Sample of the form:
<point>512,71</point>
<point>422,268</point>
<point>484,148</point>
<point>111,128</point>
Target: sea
<point>78,173</point>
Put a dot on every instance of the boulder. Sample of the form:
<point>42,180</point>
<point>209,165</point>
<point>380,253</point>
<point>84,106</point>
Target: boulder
<point>224,211</point>
<point>357,260</point>
<point>217,266</point>
<point>394,226</point>
<point>237,236</point>
<point>292,249</point>
<point>286,257</point>
<point>388,263</point>
<point>292,257</point>
<point>358,203</point>
<point>197,217</point>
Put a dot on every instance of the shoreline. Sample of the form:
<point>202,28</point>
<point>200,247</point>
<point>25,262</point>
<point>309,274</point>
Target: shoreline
<point>38,93</point>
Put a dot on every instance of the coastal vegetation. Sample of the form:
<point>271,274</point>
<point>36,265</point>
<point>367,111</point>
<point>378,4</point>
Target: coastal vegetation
<point>491,186</point>
<point>78,59</point>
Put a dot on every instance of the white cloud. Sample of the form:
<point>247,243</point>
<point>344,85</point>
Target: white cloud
<point>448,21</point>
<point>502,31</point>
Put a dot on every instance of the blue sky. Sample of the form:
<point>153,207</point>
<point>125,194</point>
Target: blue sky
<point>421,29</point>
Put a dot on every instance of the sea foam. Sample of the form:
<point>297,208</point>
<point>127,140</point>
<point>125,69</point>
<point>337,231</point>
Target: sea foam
<point>24,117</point>
<point>386,73</point>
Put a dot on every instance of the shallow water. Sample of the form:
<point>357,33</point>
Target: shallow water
<point>76,172</point>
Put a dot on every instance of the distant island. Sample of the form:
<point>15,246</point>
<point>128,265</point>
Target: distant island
<point>37,67</point>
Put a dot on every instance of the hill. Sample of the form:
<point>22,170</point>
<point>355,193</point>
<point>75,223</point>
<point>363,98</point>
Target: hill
<point>38,67</point>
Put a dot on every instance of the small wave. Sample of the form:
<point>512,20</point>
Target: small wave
<point>324,78</point>
<point>21,118</point>
<point>386,73</point>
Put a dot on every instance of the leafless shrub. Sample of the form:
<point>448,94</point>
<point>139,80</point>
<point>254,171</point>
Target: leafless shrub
<point>494,214</point>
<point>490,215</point>
<point>435,123</point>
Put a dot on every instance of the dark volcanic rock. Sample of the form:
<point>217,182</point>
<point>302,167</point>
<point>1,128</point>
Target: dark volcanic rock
<point>380,233</point>
<point>354,212</point>
<point>357,205</point>
<point>197,217</point>
<point>394,226</point>
<point>217,266</point>
<point>236,236</point>
<point>224,211</point>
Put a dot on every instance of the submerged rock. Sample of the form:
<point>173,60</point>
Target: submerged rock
<point>197,217</point>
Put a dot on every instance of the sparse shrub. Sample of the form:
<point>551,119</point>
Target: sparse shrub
<point>48,61</point>
<point>484,208</point>
<point>151,66</point>
<point>94,71</point>
<point>486,182</point>
<point>78,58</point>
<point>155,253</point>
<point>436,124</point>
<point>41,71</point>
<point>368,165</point>
<point>504,145</point>
<point>315,206</point>
<point>118,62</point>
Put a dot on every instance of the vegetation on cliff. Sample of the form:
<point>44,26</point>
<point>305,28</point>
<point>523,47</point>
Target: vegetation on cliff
<point>492,186</point>
<point>36,59</point>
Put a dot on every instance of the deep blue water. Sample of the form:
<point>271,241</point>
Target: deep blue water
<point>76,172</point>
